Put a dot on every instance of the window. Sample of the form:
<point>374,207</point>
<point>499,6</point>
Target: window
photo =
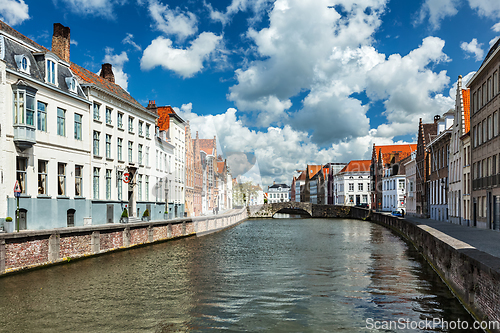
<point>157,160</point>
<point>23,63</point>
<point>108,146</point>
<point>490,128</point>
<point>479,99</point>
<point>139,154</point>
<point>495,123</point>
<point>360,187</point>
<point>351,187</point>
<point>97,115</point>
<point>21,164</point>
<point>495,83</point>
<point>119,120</point>
<point>474,103</point>
<point>147,187</point>
<point>71,84</point>
<point>61,122</point>
<point>140,128</point>
<point>484,97</point>
<point>485,130</point>
<point>130,145</point>
<point>42,116</point>
<point>24,105</point>
<point>119,151</point>
<point>108,116</point>
<point>365,198</point>
<point>96,143</point>
<point>131,124</point>
<point>96,183</point>
<point>108,184</point>
<point>351,199</point>
<point>139,184</point>
<point>42,177</point>
<point>401,183</point>
<point>147,156</point>
<point>78,126</point>
<point>78,180</point>
<point>489,91</point>
<point>147,130</point>
<point>119,184</point>
<point>51,72</point>
<point>61,179</point>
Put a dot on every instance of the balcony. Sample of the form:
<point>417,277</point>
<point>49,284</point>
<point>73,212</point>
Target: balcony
<point>24,136</point>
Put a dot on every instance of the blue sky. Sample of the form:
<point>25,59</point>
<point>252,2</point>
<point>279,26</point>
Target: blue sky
<point>290,81</point>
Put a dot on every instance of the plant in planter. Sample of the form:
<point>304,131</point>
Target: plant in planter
<point>124,218</point>
<point>165,215</point>
<point>145,215</point>
<point>9,224</point>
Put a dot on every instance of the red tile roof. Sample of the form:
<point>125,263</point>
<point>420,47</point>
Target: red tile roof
<point>220,166</point>
<point>466,101</point>
<point>207,145</point>
<point>313,170</point>
<point>389,151</point>
<point>357,166</point>
<point>302,176</point>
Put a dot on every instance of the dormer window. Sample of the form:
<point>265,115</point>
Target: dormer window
<point>23,63</point>
<point>51,72</point>
<point>71,83</point>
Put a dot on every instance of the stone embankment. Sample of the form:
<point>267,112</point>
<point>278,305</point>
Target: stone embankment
<point>32,249</point>
<point>472,275</point>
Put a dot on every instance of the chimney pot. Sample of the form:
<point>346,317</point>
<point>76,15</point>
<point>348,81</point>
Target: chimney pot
<point>107,72</point>
<point>61,41</point>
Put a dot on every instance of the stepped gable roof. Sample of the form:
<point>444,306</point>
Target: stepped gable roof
<point>207,145</point>
<point>389,151</point>
<point>466,101</point>
<point>357,166</point>
<point>16,34</point>
<point>88,78</point>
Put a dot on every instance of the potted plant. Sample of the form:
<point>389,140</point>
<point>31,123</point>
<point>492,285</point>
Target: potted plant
<point>165,215</point>
<point>124,218</point>
<point>145,215</point>
<point>9,224</point>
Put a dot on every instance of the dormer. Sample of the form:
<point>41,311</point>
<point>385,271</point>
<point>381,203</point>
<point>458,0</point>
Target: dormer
<point>23,63</point>
<point>51,61</point>
<point>72,84</point>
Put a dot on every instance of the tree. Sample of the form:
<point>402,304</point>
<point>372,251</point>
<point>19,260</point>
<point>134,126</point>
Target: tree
<point>243,192</point>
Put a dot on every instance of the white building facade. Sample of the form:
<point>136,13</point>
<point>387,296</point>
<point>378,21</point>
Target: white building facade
<point>411,179</point>
<point>352,184</point>
<point>278,193</point>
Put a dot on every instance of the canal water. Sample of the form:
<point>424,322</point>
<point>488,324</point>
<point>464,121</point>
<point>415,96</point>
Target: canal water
<point>273,275</point>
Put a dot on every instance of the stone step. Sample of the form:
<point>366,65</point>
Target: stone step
<point>132,219</point>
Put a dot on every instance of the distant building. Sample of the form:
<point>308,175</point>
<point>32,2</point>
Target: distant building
<point>485,105</point>
<point>278,193</point>
<point>352,184</point>
<point>439,149</point>
<point>297,182</point>
<point>411,179</point>
<point>426,132</point>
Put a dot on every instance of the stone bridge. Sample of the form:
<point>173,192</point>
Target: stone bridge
<point>306,209</point>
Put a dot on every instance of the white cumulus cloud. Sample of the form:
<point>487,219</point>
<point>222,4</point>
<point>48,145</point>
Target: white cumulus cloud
<point>185,62</point>
<point>13,11</point>
<point>488,8</point>
<point>129,39</point>
<point>437,10</point>
<point>173,22</point>
<point>473,47</point>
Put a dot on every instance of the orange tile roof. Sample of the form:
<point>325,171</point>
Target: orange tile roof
<point>313,170</point>
<point>357,165</point>
<point>466,101</point>
<point>326,172</point>
<point>220,166</point>
<point>389,151</point>
<point>207,145</point>
<point>302,176</point>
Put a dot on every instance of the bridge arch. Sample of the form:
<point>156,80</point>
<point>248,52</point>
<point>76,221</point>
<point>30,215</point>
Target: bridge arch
<point>293,211</point>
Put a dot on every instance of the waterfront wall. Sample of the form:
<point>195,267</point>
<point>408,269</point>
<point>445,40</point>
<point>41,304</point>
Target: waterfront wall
<point>473,275</point>
<point>30,249</point>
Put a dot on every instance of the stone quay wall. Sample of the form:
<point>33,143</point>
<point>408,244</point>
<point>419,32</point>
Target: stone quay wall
<point>30,249</point>
<point>472,275</point>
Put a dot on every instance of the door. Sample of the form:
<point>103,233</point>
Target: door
<point>22,219</point>
<point>70,218</point>
<point>109,213</point>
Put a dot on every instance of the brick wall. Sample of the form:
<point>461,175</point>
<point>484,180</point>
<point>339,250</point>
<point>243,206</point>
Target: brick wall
<point>26,252</point>
<point>74,245</point>
<point>111,240</point>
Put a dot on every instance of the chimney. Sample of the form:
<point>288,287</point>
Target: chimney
<point>61,41</point>
<point>107,72</point>
<point>151,105</point>
<point>436,118</point>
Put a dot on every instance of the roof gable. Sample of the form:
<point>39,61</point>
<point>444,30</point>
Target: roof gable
<point>357,166</point>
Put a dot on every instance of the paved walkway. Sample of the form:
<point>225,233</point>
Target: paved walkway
<point>485,240</point>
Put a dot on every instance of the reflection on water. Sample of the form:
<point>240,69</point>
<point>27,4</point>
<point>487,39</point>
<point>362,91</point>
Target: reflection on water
<point>275,275</point>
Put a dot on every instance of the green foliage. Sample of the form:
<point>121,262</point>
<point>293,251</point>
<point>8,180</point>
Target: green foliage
<point>265,200</point>
<point>146,213</point>
<point>8,219</point>
<point>125,213</point>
